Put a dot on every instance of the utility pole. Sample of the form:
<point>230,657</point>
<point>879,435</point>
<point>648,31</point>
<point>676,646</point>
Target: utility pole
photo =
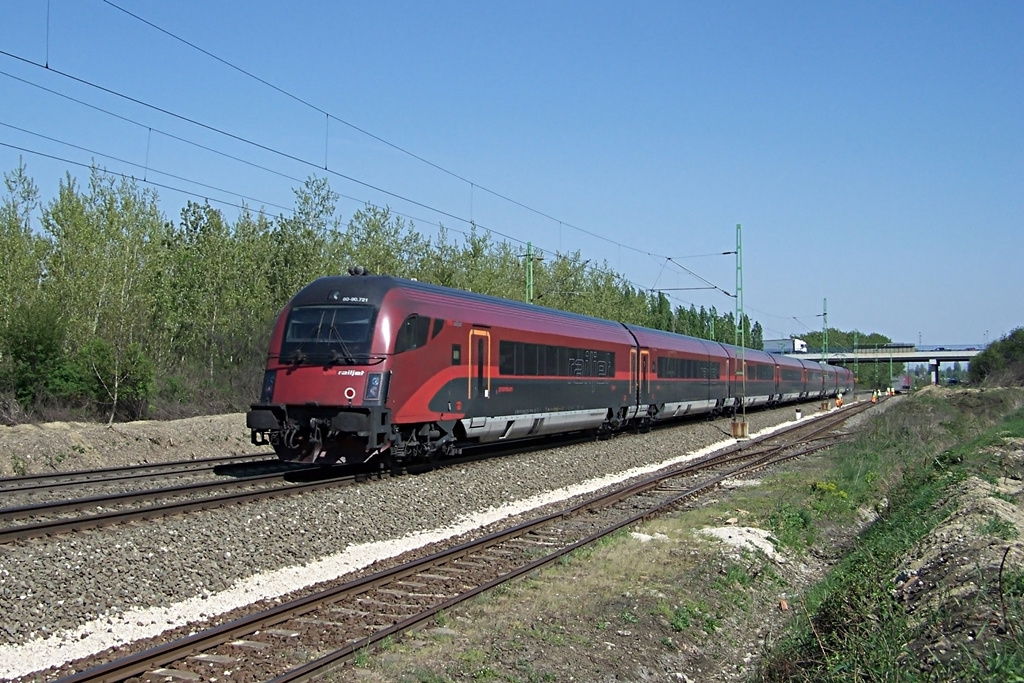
<point>529,272</point>
<point>824,330</point>
<point>739,424</point>
<point>856,359</point>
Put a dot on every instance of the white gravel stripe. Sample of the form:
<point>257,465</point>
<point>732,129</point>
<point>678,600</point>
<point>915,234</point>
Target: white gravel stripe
<point>138,623</point>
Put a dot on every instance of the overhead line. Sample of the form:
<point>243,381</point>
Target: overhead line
<point>299,160</point>
<point>272,150</point>
<point>359,129</point>
<point>127,176</point>
<point>137,165</point>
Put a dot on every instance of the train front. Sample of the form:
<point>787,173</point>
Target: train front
<point>325,387</point>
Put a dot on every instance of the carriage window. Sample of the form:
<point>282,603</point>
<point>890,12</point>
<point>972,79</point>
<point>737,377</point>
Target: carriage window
<point>685,368</point>
<point>520,358</point>
<point>413,333</point>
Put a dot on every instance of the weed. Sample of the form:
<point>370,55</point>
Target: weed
<point>552,635</point>
<point>694,614</point>
<point>19,465</point>
<point>57,459</point>
<point>996,526</point>
<point>681,619</point>
<point>734,575</point>
<point>1013,584</point>
<point>473,658</point>
<point>793,526</point>
<point>362,658</point>
<point>1004,497</point>
<point>628,617</point>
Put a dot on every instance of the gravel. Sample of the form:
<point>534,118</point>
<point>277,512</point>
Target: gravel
<point>50,588</point>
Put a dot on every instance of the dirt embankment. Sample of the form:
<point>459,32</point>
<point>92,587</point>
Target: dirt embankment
<point>70,446</point>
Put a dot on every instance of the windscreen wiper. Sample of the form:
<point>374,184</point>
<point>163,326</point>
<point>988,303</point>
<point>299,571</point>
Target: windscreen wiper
<point>334,335</point>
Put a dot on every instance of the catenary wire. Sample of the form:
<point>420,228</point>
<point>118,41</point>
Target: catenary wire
<point>243,207</point>
<point>292,157</point>
<point>361,130</point>
<point>472,184</point>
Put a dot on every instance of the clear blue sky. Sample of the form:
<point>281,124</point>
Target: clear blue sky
<point>872,151</point>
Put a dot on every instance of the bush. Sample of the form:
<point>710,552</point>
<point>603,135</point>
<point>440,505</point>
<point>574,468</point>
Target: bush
<point>118,382</point>
<point>33,346</point>
<point>1002,362</point>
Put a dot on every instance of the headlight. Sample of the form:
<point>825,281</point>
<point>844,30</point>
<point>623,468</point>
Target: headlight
<point>373,387</point>
<point>267,395</point>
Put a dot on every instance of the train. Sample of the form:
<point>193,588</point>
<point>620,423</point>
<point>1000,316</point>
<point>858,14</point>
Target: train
<point>364,368</point>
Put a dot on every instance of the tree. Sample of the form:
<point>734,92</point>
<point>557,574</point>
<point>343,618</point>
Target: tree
<point>1002,362</point>
<point>103,243</point>
<point>383,243</point>
<point>302,247</point>
<point>21,272</point>
<point>757,336</point>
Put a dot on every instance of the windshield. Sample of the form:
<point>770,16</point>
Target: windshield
<point>328,334</point>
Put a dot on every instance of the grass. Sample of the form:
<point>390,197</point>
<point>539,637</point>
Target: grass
<point>687,597</point>
<point>854,628</point>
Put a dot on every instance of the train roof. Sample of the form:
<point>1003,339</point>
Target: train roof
<point>373,289</point>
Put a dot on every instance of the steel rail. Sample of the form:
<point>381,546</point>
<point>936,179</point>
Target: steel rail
<point>31,482</point>
<point>61,526</point>
<point>142,662</point>
<point>78,504</point>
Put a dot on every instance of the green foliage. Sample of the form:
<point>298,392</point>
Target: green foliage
<point>179,314</point>
<point>694,615</point>
<point>828,498</point>
<point>1002,362</point>
<point>791,525</point>
<point>735,575</point>
<point>995,526</point>
<point>33,347</point>
<point>855,630</point>
<point>119,381</point>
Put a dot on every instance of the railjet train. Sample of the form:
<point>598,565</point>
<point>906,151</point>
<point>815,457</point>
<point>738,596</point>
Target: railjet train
<point>366,367</point>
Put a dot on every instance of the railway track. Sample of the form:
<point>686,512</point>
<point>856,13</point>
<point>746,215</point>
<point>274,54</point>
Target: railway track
<point>47,482</point>
<point>29,520</point>
<point>36,520</point>
<point>22,521</point>
<point>334,623</point>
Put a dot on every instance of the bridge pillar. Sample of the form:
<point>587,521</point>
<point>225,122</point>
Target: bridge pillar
<point>933,367</point>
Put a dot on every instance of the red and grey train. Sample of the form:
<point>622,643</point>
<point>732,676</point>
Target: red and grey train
<point>367,367</point>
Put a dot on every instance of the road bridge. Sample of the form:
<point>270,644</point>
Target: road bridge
<point>896,353</point>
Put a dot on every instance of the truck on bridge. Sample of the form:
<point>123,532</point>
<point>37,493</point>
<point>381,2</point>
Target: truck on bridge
<point>791,345</point>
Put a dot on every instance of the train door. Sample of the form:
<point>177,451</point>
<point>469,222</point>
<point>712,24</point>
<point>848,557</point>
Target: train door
<point>645,372</point>
<point>479,364</point>
<point>633,375</point>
